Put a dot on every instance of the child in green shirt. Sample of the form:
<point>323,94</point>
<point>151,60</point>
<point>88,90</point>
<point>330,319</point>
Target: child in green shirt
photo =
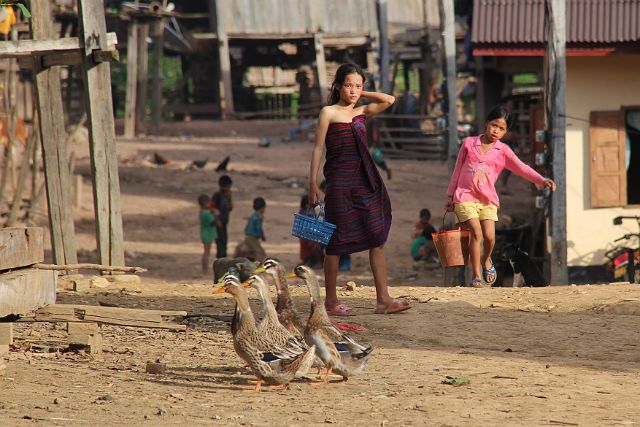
<point>208,230</point>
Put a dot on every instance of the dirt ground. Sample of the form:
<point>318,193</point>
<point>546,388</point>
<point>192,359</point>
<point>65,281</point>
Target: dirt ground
<point>564,355</point>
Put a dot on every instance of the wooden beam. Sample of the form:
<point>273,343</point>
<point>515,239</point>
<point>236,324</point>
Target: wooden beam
<point>21,246</point>
<point>47,45</point>
<point>383,29</point>
<point>226,85</point>
<point>449,50</point>
<point>104,161</point>
<point>132,81</point>
<point>143,66</point>
<point>321,67</point>
<point>156,76</point>
<point>555,100</point>
<point>106,315</point>
<point>25,290</point>
<point>54,152</point>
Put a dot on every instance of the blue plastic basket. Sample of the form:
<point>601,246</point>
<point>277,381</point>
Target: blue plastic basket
<point>313,228</point>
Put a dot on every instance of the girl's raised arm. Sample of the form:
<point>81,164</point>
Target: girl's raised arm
<point>316,156</point>
<point>381,101</point>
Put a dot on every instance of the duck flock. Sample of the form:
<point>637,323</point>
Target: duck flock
<point>280,346</point>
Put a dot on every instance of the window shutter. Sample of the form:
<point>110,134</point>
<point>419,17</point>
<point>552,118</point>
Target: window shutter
<point>607,148</point>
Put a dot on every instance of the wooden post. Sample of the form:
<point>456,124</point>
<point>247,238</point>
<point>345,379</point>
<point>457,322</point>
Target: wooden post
<point>6,337</point>
<point>132,80</point>
<point>226,86</point>
<point>104,161</point>
<point>53,138</point>
<point>156,76</point>
<point>321,67</point>
<point>555,105</point>
<point>143,66</point>
<point>383,29</point>
<point>481,98</point>
<point>449,45</point>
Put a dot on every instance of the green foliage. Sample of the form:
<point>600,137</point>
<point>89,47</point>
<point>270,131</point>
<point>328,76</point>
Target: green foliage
<point>171,82</point>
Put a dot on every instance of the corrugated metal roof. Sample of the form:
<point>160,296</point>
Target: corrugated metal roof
<point>588,21</point>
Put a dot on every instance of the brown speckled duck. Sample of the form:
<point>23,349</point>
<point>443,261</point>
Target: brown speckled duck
<point>273,364</point>
<point>287,313</point>
<point>270,326</point>
<point>343,356</point>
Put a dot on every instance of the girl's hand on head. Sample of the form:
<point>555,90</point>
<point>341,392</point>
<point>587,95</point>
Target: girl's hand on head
<point>549,183</point>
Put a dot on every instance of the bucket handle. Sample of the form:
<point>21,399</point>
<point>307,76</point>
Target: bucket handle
<point>443,218</point>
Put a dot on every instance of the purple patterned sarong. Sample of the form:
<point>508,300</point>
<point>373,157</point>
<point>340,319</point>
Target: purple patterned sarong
<point>356,200</point>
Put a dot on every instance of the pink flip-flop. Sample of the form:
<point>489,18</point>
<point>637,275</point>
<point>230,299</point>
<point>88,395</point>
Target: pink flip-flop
<point>339,310</point>
<point>396,306</point>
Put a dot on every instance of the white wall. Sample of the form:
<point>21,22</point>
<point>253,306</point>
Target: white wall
<point>594,84</point>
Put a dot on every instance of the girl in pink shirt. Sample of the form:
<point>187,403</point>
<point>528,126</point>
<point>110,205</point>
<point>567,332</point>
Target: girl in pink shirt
<point>472,194</point>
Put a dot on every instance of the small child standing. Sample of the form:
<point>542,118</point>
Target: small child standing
<point>221,200</point>
<point>253,231</point>
<point>208,230</point>
<point>472,194</point>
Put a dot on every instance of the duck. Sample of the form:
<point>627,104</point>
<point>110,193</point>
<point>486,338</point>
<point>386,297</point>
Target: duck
<point>340,353</point>
<point>273,365</point>
<point>287,313</point>
<point>270,326</point>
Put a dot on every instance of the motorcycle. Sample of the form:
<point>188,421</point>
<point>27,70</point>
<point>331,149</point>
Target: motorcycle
<point>624,261</point>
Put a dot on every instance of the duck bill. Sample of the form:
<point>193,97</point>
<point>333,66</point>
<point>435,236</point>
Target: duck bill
<point>291,276</point>
<point>246,284</point>
<point>259,270</point>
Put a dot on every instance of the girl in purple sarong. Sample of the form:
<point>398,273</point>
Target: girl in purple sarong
<point>356,200</point>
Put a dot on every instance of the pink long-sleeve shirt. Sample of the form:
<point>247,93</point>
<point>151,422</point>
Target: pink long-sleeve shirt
<point>475,174</point>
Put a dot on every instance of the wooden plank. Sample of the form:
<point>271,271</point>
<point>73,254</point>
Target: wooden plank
<point>107,315</point>
<point>132,81</point>
<point>25,290</point>
<point>6,333</point>
<point>53,138</point>
<point>21,246</point>
<point>321,67</point>
<point>44,45</point>
<point>104,161</point>
<point>77,328</point>
<point>226,86</point>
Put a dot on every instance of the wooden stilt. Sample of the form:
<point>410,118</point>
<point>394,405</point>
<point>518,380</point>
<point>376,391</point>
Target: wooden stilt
<point>143,66</point>
<point>226,86</point>
<point>54,151</point>
<point>156,79</point>
<point>321,67</point>
<point>104,161</point>
<point>132,81</point>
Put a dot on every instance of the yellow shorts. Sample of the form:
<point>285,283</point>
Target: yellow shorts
<point>467,210</point>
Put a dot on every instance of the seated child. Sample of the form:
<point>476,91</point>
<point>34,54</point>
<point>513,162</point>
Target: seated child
<point>208,230</point>
<point>422,247</point>
<point>253,231</point>
<point>311,253</point>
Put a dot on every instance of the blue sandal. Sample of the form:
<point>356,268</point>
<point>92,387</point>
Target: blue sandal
<point>487,271</point>
<point>477,283</point>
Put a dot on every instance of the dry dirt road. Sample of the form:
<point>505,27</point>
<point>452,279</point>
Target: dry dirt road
<point>563,355</point>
